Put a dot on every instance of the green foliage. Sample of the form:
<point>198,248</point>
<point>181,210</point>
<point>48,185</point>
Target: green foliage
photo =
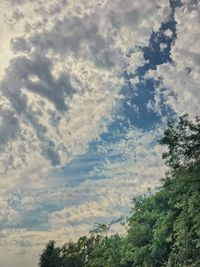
<point>50,256</point>
<point>183,142</point>
<point>95,250</point>
<point>163,228</point>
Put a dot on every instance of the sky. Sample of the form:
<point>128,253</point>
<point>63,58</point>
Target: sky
<point>86,90</point>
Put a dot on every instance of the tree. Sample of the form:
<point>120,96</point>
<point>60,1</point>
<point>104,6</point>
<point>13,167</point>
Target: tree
<point>72,255</point>
<point>183,141</point>
<point>50,256</point>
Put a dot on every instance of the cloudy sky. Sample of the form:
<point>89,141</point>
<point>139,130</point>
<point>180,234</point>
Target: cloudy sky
<point>86,88</point>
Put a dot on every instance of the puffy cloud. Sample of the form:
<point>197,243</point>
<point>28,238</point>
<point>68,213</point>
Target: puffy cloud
<point>181,77</point>
<point>8,216</point>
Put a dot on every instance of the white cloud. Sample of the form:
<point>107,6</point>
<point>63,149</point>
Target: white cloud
<point>168,33</point>
<point>181,78</point>
<point>163,46</point>
<point>135,60</point>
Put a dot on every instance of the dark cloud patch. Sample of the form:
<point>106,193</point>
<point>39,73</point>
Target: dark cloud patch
<point>33,74</point>
<point>80,37</point>
<point>55,9</point>
<point>132,17</point>
<point>17,15</point>
<point>51,154</point>
<point>55,90</point>
<point>52,9</point>
<point>9,127</point>
<point>20,74</point>
<point>48,149</point>
<point>20,2</point>
<point>19,44</point>
<point>65,36</point>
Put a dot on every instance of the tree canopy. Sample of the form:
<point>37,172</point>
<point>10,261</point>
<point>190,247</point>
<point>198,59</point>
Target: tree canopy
<point>183,141</point>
